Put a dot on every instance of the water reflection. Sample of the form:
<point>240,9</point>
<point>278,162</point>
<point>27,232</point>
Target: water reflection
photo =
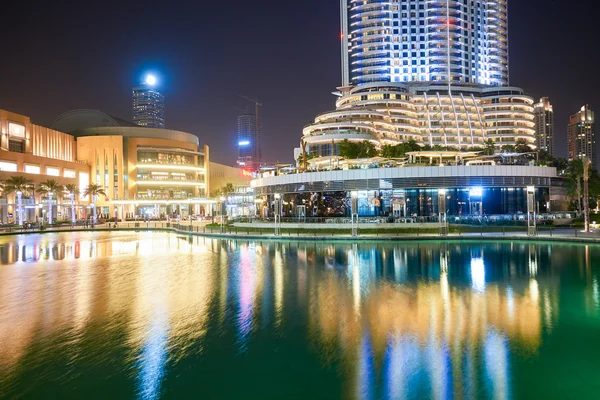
<point>395,321</point>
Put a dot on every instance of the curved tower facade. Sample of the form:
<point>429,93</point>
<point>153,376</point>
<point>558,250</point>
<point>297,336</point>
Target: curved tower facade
<point>432,71</point>
<point>425,40</point>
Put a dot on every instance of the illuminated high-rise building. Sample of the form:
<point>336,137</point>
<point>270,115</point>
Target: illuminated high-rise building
<point>432,71</point>
<point>425,40</point>
<point>148,104</point>
<point>249,149</point>
<point>582,136</point>
<point>544,125</point>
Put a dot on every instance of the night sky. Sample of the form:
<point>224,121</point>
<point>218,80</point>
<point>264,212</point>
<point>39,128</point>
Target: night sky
<point>61,55</point>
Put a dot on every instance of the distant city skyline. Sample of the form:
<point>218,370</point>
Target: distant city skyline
<point>202,78</point>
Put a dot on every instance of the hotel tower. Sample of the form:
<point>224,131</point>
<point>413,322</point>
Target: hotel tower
<point>433,71</point>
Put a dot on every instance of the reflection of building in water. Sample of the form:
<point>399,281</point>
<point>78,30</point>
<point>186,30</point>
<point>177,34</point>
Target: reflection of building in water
<point>415,332</point>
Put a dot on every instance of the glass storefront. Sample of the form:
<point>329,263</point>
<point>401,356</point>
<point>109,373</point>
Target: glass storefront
<point>413,202</point>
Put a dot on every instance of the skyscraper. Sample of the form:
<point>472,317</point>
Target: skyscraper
<point>581,135</point>
<point>432,71</point>
<point>425,40</point>
<point>249,149</point>
<point>148,104</point>
<point>544,125</point>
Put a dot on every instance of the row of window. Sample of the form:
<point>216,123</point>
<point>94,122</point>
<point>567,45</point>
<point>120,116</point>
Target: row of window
<point>36,169</point>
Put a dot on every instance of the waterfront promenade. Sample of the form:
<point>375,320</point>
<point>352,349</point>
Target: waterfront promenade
<point>398,232</point>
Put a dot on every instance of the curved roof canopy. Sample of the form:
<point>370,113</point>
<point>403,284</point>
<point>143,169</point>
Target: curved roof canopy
<point>84,122</point>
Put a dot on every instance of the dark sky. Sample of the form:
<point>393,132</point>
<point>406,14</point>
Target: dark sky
<point>60,55</point>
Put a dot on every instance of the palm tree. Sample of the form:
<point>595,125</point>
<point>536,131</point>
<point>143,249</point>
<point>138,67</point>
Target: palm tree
<point>49,188</point>
<point>22,186</point>
<point>94,190</point>
<point>73,191</point>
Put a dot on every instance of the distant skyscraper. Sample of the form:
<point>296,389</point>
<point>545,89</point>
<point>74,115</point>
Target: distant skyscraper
<point>148,104</point>
<point>425,40</point>
<point>581,135</point>
<point>544,125</point>
<point>249,149</point>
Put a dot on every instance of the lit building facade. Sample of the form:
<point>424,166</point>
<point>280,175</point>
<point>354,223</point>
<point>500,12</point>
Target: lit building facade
<point>145,172</point>
<point>544,125</point>
<point>148,108</point>
<point>425,40</point>
<point>582,135</point>
<point>432,71</point>
<point>38,154</point>
<point>467,116</point>
<point>249,149</point>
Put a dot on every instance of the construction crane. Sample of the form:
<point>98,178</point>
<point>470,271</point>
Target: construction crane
<point>257,104</point>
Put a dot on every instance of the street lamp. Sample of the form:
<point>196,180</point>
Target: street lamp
<point>531,214</point>
<point>277,212</point>
<point>222,209</point>
<point>354,212</point>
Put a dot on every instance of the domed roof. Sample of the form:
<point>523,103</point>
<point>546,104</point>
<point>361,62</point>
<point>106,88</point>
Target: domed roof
<point>77,120</point>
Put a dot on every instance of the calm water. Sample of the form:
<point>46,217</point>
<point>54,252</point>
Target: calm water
<point>155,315</point>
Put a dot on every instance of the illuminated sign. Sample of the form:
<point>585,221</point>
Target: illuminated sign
<point>244,143</point>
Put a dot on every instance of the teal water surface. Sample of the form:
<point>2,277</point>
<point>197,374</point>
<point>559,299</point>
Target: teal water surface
<point>157,315</point>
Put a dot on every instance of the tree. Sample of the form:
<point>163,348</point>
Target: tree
<point>490,147</point>
<point>561,164</point>
<point>574,175</point>
<point>228,188</point>
<point>348,150</point>
<point>574,184</point>
<point>22,186</point>
<point>366,149</point>
<point>522,146</point>
<point>508,148</point>
<point>50,188</point>
<point>94,190</point>
<point>73,191</point>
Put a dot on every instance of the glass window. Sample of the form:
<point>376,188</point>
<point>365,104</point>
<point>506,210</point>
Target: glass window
<point>16,130</point>
<point>69,173</point>
<point>32,169</point>
<point>16,146</point>
<point>52,171</point>
<point>8,166</point>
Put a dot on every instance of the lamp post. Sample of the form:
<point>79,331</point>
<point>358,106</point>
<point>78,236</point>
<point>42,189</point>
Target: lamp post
<point>354,211</point>
<point>277,212</point>
<point>531,214</point>
<point>222,208</point>
<point>586,192</point>
<point>442,212</point>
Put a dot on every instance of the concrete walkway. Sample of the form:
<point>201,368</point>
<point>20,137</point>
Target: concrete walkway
<point>564,235</point>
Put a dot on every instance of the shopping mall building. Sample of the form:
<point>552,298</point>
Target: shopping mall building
<point>145,172</point>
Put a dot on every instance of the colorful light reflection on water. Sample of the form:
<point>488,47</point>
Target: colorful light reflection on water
<point>155,315</point>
